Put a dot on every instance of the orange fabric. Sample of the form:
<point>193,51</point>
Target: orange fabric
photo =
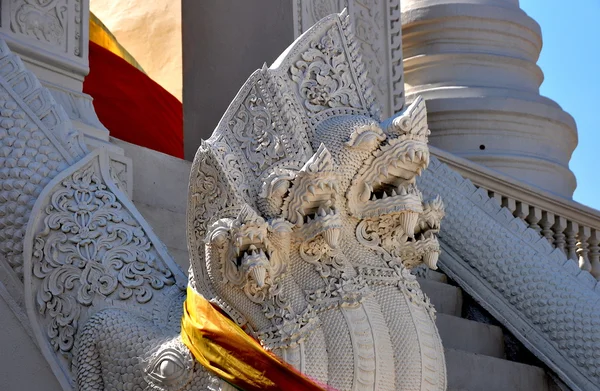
<point>132,106</point>
<point>224,348</point>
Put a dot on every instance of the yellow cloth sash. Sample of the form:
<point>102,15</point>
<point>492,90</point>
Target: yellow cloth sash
<point>225,349</point>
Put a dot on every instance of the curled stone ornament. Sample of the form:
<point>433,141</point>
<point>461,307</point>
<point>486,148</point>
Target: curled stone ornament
<point>90,247</point>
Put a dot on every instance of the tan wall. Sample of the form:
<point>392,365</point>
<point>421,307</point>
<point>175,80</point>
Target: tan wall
<point>151,31</point>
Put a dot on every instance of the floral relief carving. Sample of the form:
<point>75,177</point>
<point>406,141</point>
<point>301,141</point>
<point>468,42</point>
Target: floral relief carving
<point>323,75</point>
<point>253,129</point>
<point>209,191</point>
<point>44,20</point>
<point>90,246</point>
<point>377,29</point>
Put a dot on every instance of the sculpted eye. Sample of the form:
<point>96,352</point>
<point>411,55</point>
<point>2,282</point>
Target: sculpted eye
<point>366,137</point>
<point>170,370</point>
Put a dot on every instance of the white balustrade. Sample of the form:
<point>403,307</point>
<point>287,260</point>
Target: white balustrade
<point>566,224</point>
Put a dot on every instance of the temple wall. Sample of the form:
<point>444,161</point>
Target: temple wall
<point>224,41</point>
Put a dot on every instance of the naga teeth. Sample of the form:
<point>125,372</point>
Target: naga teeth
<point>420,155</point>
<point>259,273</point>
<point>252,249</point>
<point>374,198</point>
<point>299,218</point>
<point>403,191</point>
<point>321,185</point>
<point>322,212</point>
<point>384,171</point>
<point>394,193</point>
<point>411,155</point>
<point>364,196</point>
<point>332,236</point>
<point>384,196</point>
<point>311,189</point>
<point>430,259</point>
<point>408,221</point>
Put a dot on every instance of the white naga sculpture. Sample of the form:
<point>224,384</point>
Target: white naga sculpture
<point>306,210</point>
<point>304,221</point>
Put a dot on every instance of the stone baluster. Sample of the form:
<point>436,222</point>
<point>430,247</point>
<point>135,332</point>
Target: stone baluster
<point>533,218</point>
<point>546,223</point>
<point>496,196</point>
<point>571,234</point>
<point>521,210</point>
<point>594,254</point>
<point>510,204</point>
<point>560,224</point>
<point>583,236</point>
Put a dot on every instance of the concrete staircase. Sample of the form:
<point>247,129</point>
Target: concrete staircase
<point>475,351</point>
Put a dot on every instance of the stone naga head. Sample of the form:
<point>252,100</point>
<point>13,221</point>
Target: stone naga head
<point>302,143</point>
<point>250,251</point>
<point>310,198</point>
<point>376,169</point>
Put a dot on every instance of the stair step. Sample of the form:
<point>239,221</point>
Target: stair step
<point>436,276</point>
<point>470,336</point>
<point>181,257</point>
<point>475,372</point>
<point>447,299</point>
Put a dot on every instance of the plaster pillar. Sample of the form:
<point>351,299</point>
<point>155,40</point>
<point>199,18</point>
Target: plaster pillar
<point>51,37</point>
<point>475,64</point>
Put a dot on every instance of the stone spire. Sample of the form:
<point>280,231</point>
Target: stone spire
<point>475,64</point>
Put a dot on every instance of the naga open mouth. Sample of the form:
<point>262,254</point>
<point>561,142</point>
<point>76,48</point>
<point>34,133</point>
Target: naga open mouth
<point>386,183</point>
<point>318,215</point>
<point>251,256</point>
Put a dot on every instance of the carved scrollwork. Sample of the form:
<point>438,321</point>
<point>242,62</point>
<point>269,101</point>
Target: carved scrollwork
<point>323,75</point>
<point>90,246</point>
<point>252,127</point>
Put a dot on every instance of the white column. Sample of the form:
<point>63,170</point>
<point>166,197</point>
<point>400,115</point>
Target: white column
<point>475,64</point>
<point>52,36</point>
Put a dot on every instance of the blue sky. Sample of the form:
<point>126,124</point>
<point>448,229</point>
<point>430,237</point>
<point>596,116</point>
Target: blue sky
<point>570,61</point>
